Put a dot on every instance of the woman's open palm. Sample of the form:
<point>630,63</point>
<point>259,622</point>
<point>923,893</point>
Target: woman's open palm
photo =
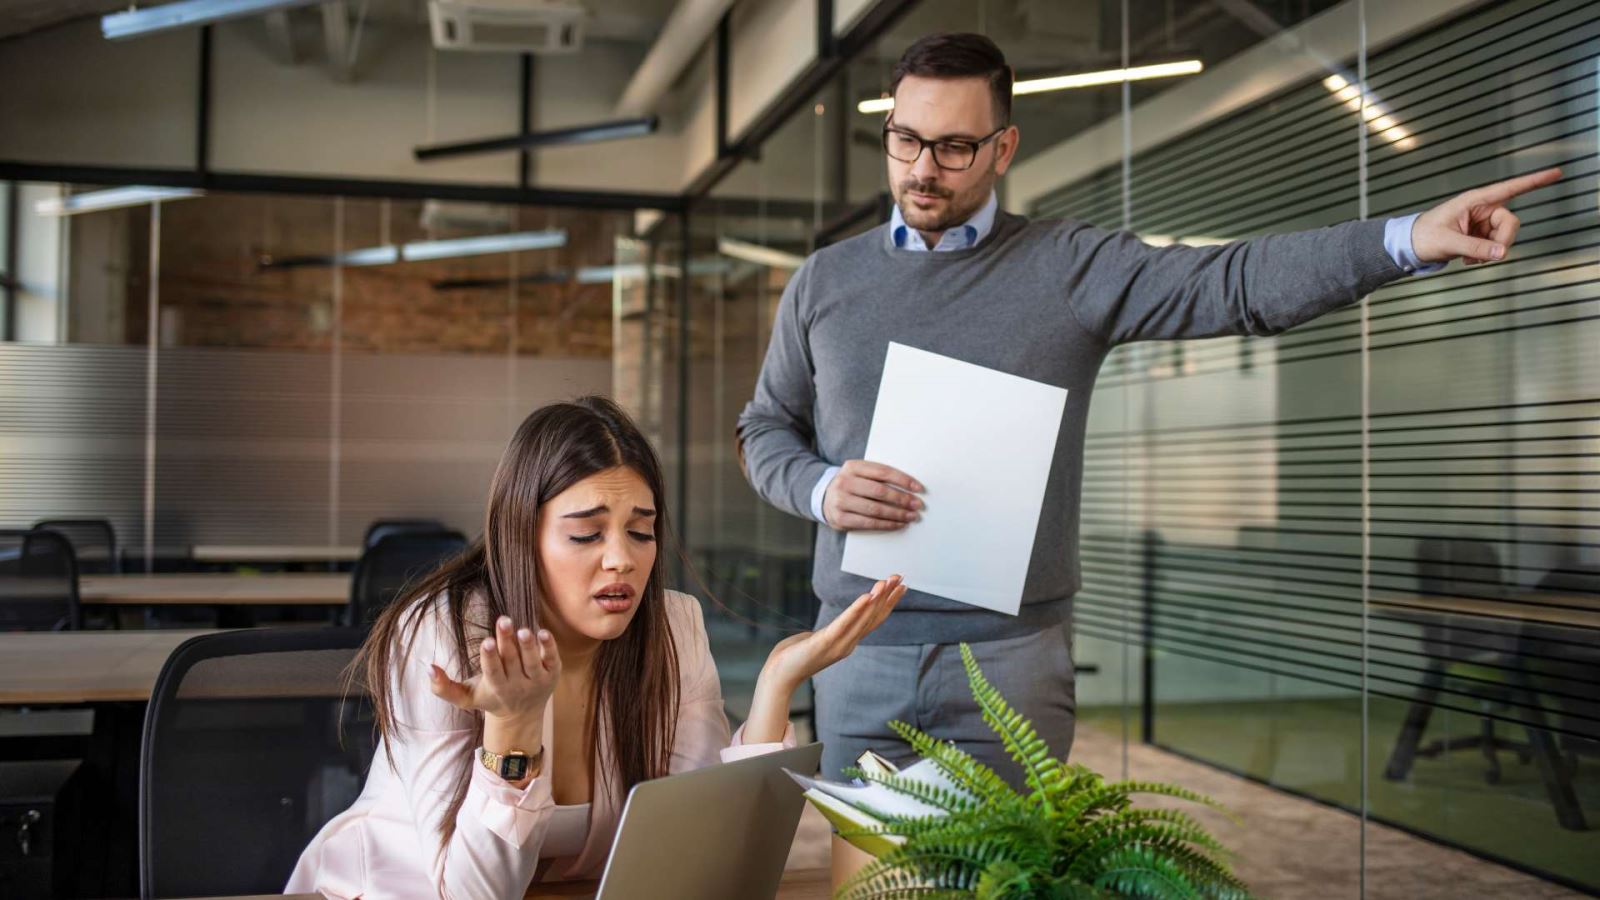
<point>800,656</point>
<point>517,673</point>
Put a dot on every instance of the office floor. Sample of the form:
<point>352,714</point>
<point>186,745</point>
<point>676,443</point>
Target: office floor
<point>1292,847</point>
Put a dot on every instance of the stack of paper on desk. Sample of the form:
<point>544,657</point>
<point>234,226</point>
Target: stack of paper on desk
<point>865,805</point>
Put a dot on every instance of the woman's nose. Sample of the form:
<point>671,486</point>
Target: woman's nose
<point>617,560</point>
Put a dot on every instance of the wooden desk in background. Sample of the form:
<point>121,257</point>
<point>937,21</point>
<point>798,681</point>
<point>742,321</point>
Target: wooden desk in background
<point>113,673</point>
<point>216,589</point>
<point>1538,607</point>
<point>84,666</point>
<point>273,553</point>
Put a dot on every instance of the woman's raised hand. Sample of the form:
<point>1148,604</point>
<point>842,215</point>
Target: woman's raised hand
<point>800,656</point>
<point>518,671</point>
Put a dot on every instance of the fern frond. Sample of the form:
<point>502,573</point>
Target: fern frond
<point>978,779</point>
<point>1137,872</point>
<point>1039,768</point>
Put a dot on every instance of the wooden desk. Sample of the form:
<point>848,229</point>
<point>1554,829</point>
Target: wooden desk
<point>798,884</point>
<point>84,666</point>
<point>270,553</point>
<point>1542,607</point>
<point>216,589</point>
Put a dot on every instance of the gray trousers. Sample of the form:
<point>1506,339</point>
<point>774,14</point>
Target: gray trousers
<point>925,686</point>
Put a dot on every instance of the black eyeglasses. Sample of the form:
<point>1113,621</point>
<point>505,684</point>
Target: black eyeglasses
<point>952,154</point>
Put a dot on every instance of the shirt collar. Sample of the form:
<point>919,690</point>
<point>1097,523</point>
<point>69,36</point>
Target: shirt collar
<point>959,237</point>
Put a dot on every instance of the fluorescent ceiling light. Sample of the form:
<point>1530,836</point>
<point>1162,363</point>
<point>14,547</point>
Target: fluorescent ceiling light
<point>1377,118</point>
<point>187,14</point>
<point>1109,76</point>
<point>111,198</point>
<point>489,243</point>
<point>419,251</point>
<point>633,271</point>
<point>370,256</point>
<point>581,134</point>
<point>1063,82</point>
<point>756,253</point>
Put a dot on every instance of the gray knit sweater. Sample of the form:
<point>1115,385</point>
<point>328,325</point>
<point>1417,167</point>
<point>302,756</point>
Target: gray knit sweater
<point>1043,300</point>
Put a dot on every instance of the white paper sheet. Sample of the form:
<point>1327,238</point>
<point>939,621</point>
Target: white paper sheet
<point>981,442</point>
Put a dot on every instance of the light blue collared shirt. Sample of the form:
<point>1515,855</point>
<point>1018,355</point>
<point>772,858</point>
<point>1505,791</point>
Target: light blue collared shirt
<point>1396,240</point>
<point>965,235</point>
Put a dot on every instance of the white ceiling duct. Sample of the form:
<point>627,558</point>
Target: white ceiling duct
<point>686,31</point>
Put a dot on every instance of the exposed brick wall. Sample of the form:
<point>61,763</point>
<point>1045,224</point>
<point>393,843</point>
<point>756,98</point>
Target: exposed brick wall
<point>220,297</point>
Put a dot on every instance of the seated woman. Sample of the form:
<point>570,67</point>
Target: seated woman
<point>523,688</point>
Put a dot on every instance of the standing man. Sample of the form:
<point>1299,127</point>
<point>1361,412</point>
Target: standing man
<point>951,274</point>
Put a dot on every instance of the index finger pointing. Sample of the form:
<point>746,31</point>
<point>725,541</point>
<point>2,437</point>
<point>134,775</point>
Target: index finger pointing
<point>891,475</point>
<point>1501,191</point>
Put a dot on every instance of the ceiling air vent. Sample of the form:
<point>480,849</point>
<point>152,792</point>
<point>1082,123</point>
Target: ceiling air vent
<point>507,26</point>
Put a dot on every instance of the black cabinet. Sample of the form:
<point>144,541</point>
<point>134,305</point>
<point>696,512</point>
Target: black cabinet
<point>37,808</point>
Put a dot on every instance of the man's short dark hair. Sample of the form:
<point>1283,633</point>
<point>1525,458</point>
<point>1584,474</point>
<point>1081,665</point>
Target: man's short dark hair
<point>959,56</point>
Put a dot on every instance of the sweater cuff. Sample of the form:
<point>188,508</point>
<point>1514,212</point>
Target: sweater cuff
<point>509,812</point>
<point>1373,265</point>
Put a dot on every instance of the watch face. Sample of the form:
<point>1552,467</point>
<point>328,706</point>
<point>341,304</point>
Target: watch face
<point>512,768</point>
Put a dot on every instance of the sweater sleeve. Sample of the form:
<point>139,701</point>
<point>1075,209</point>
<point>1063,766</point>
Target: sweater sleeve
<point>777,430</point>
<point>1122,289</point>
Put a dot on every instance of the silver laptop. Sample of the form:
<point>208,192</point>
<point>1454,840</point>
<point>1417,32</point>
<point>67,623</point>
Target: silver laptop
<point>721,831</point>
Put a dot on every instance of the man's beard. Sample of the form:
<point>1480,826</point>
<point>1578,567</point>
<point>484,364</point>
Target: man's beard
<point>954,213</point>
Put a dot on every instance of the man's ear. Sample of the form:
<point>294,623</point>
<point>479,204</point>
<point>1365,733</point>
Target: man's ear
<point>1006,149</point>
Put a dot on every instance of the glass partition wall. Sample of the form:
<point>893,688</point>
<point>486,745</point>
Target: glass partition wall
<point>228,369</point>
<point>1353,563</point>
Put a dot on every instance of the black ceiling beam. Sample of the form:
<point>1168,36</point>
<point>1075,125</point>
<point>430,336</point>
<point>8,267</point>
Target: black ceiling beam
<point>578,134</point>
<point>8,321</point>
<point>525,117</point>
<point>202,125</point>
<point>345,187</point>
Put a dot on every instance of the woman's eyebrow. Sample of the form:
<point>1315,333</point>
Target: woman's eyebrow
<point>597,510</point>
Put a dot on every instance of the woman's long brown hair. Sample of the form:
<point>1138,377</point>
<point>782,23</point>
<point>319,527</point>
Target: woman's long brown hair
<point>636,675</point>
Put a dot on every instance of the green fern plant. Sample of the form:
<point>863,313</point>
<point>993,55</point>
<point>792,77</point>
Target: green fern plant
<point>1070,836</point>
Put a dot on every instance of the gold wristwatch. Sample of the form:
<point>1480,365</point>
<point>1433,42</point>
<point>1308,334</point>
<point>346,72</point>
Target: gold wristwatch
<point>512,765</point>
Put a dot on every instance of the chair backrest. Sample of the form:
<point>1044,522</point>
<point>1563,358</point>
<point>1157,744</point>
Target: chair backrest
<point>1460,568</point>
<point>38,582</point>
<point>386,568</point>
<point>250,746</point>
<point>93,540</point>
<point>1464,568</point>
<point>1575,580</point>
<point>382,528</point>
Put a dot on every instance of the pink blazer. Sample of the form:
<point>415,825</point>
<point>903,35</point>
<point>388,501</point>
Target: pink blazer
<point>387,843</point>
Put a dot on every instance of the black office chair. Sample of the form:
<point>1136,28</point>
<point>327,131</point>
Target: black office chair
<point>250,746</point>
<point>38,582</point>
<point>382,528</point>
<point>93,540</point>
<point>387,567</point>
<point>1485,650</point>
